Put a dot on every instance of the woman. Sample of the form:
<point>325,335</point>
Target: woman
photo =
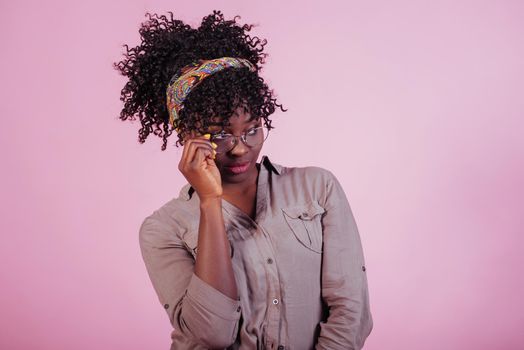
<point>249,255</point>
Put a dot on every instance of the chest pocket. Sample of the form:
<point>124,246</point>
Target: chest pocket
<point>306,224</point>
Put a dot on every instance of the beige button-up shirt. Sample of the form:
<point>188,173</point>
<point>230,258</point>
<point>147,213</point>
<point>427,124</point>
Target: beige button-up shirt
<point>299,268</point>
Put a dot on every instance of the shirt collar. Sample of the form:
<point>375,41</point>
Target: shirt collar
<point>187,191</point>
<point>277,169</point>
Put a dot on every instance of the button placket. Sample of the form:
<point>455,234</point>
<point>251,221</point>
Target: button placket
<point>273,315</point>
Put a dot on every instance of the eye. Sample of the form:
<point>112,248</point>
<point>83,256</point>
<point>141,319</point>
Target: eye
<point>253,131</point>
<point>220,136</point>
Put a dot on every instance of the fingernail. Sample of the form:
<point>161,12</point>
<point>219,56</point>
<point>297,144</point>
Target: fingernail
<point>207,136</point>
<point>214,145</point>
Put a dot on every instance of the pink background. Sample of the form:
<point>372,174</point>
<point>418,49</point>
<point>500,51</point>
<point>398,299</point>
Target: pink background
<point>416,106</point>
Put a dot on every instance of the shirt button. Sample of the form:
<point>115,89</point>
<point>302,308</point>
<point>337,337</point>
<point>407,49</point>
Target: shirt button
<point>269,260</point>
<point>275,301</point>
<point>280,347</point>
<point>305,214</point>
<point>363,268</point>
<point>166,306</point>
<point>238,309</point>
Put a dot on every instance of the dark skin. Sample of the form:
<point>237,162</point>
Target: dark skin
<point>208,174</point>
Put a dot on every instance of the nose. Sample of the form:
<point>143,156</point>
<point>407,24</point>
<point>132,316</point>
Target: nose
<point>239,149</point>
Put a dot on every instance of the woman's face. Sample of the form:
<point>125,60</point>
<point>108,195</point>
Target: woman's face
<point>241,154</point>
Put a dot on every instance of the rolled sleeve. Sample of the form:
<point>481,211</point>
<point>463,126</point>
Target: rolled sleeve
<point>344,280</point>
<point>198,311</point>
<point>212,300</point>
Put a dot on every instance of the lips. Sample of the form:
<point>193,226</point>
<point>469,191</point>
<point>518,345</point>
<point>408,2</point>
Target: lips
<point>238,168</point>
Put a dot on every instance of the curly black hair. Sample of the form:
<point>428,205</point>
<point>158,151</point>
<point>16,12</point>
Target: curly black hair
<point>167,46</point>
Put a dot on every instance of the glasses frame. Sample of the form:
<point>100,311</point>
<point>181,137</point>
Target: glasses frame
<point>242,137</point>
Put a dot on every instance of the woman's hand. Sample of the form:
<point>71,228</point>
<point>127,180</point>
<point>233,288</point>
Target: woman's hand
<point>198,166</point>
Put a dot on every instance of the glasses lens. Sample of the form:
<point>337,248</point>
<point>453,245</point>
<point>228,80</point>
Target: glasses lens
<point>256,136</point>
<point>253,137</point>
<point>224,143</point>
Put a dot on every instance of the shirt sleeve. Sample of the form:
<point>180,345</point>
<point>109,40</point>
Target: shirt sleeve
<point>200,312</point>
<point>344,281</point>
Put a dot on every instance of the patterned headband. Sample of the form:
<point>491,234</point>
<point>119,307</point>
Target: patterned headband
<point>180,85</point>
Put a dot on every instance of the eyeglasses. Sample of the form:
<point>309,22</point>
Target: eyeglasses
<point>251,138</point>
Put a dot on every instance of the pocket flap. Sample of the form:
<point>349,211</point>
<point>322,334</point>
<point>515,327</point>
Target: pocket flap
<point>305,211</point>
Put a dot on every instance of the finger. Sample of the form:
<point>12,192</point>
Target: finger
<point>193,148</point>
<point>188,152</point>
<point>197,154</point>
<point>211,162</point>
<point>201,154</point>
<point>188,138</point>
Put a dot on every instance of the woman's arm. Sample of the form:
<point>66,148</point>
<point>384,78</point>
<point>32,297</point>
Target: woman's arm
<point>204,299</point>
<point>196,309</point>
<point>344,281</point>
<point>213,262</point>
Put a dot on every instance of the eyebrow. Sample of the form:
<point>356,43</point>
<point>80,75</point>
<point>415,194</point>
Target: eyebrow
<point>247,122</point>
<point>252,119</point>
